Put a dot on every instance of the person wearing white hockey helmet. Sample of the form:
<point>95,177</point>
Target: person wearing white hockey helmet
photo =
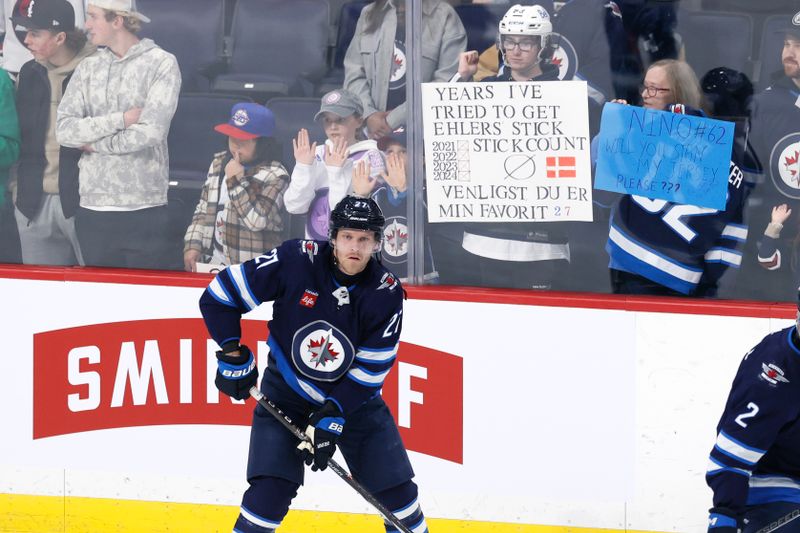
<point>524,255</point>
<point>526,44</point>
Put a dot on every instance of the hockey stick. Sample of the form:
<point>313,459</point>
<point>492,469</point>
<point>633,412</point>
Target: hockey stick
<point>775,526</point>
<point>275,411</point>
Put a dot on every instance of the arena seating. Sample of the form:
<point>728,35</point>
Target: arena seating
<point>291,114</point>
<point>278,47</point>
<point>348,17</point>
<point>195,40</point>
<point>707,39</point>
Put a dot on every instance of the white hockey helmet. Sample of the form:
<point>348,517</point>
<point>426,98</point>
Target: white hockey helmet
<point>526,20</point>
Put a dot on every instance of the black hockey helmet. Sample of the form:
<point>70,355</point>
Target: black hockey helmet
<point>728,92</point>
<point>355,212</point>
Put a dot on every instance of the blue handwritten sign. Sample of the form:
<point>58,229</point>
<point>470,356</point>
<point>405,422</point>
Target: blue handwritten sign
<point>658,154</point>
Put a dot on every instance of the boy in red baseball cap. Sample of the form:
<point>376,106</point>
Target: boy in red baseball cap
<point>240,214</point>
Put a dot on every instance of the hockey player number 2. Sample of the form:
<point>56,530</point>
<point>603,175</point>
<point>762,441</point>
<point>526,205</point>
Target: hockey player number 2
<point>753,411</point>
<point>674,216</point>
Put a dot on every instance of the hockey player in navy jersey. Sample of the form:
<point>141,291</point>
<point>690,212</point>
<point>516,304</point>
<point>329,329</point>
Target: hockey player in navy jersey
<point>754,468</point>
<point>333,338</point>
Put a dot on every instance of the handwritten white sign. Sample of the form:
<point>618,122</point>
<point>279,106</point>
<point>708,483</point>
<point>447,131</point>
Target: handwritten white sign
<point>507,151</point>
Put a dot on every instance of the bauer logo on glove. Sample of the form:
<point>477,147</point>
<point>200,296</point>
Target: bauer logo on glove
<point>236,373</point>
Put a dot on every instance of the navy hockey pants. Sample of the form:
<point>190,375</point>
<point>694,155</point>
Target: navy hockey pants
<point>370,444</point>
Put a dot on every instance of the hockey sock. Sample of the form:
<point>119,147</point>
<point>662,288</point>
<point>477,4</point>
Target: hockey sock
<point>402,502</point>
<point>264,505</point>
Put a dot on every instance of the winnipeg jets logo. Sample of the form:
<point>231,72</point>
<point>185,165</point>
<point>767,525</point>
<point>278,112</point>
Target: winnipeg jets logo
<point>240,118</point>
<point>789,164</point>
<point>772,374</point>
<point>388,281</point>
<point>310,248</point>
<point>785,165</point>
<point>395,240</point>
<point>564,57</point>
<point>333,97</point>
<point>321,351</point>
<point>397,76</point>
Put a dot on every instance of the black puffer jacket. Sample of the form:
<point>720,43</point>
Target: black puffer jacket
<point>33,108</point>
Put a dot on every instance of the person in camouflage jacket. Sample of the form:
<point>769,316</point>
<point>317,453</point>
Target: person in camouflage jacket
<point>117,109</point>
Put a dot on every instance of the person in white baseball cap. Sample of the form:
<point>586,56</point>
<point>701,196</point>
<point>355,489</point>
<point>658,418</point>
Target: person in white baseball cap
<point>124,168</point>
<point>122,7</point>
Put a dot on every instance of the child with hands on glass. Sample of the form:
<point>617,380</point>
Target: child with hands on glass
<point>389,191</point>
<point>322,175</point>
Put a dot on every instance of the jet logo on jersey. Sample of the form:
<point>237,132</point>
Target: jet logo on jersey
<point>564,57</point>
<point>388,281</point>
<point>772,374</point>
<point>310,248</point>
<point>784,164</point>
<point>309,298</point>
<point>321,351</point>
<point>395,240</point>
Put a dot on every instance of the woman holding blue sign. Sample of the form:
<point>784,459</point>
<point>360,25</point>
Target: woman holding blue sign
<point>661,247</point>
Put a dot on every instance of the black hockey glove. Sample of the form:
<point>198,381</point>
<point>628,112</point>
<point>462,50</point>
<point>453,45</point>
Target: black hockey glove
<point>236,373</point>
<point>324,428</point>
<point>721,521</point>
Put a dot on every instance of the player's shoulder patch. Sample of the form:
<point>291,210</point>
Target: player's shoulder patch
<point>775,361</point>
<point>389,282</point>
<point>300,251</point>
<point>310,249</point>
<point>772,374</point>
<point>614,9</point>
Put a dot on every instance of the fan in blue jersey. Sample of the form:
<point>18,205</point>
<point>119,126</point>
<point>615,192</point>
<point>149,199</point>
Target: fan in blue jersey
<point>776,138</point>
<point>390,193</point>
<point>754,468</point>
<point>337,315</point>
<point>663,248</point>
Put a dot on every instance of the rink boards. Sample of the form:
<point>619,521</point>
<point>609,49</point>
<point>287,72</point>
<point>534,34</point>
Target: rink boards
<point>522,411</point>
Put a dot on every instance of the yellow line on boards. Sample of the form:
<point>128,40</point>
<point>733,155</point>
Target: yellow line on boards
<point>56,514</point>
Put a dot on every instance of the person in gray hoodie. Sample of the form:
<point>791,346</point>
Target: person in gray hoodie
<point>375,62</point>
<point>47,175</point>
<point>117,110</point>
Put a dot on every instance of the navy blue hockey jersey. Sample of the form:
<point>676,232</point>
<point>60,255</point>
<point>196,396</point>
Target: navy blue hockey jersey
<point>756,458</point>
<point>675,245</point>
<point>775,135</point>
<point>394,251</point>
<point>327,346</point>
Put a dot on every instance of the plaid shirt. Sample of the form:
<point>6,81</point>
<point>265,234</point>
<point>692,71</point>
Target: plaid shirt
<point>254,216</point>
